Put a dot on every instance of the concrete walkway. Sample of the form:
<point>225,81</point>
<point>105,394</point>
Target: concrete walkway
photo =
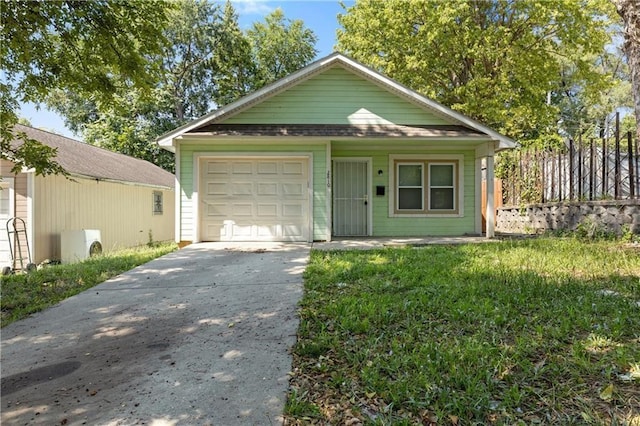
<point>200,336</point>
<point>382,242</point>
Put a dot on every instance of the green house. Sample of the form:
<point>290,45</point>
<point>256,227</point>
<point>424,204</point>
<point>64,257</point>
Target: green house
<point>333,150</point>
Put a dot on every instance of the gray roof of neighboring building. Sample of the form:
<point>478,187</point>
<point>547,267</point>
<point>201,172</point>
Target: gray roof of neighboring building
<point>85,160</point>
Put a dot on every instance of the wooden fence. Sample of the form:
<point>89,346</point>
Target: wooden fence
<point>595,169</point>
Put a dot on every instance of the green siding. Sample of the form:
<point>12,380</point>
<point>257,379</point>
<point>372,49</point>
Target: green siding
<point>331,98</point>
<point>386,226</point>
<point>318,170</point>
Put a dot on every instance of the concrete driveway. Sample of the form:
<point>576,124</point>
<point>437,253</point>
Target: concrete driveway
<point>200,336</point>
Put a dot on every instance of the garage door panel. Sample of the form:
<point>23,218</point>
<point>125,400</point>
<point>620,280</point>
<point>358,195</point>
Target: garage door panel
<point>216,167</point>
<point>267,231</point>
<point>255,200</point>
<point>268,168</point>
<point>293,189</point>
<point>242,188</point>
<point>292,231</point>
<point>292,168</point>
<point>242,209</point>
<point>216,232</point>
<point>216,188</point>
<point>292,210</point>
<point>268,210</point>
<point>270,188</point>
<point>216,210</point>
<point>242,168</point>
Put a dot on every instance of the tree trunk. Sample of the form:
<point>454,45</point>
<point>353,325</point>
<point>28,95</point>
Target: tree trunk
<point>629,10</point>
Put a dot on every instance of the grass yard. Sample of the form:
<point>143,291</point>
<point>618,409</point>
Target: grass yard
<point>541,331</point>
<point>24,294</point>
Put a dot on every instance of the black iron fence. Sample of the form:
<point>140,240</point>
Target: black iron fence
<point>593,169</point>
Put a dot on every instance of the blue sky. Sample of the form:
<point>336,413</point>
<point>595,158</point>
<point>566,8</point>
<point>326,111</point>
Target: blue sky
<point>318,15</point>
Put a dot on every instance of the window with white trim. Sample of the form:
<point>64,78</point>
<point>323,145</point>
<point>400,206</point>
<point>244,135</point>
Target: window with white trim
<point>426,187</point>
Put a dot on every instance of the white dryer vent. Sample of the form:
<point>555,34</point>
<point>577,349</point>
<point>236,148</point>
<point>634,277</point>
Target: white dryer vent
<point>80,244</point>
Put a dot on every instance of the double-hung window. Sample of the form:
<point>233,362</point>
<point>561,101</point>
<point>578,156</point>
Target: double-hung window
<point>426,187</point>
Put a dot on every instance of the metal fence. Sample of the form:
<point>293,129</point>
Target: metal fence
<point>595,169</point>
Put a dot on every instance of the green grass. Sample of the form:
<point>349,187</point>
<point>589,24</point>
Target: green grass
<point>516,332</point>
<point>24,294</point>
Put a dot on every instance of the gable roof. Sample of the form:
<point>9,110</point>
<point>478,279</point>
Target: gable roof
<point>88,161</point>
<point>337,59</point>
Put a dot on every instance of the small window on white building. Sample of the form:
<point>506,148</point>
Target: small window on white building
<point>157,202</point>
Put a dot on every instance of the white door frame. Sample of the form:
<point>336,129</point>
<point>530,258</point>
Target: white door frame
<point>369,195</point>
<point>198,156</point>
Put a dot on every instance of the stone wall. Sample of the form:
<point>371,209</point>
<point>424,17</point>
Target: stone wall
<point>614,216</point>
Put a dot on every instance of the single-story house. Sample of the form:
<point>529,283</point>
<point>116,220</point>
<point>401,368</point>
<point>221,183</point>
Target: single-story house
<point>335,149</point>
<point>128,200</point>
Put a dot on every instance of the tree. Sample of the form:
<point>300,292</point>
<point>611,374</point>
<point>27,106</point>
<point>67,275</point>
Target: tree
<point>87,47</point>
<point>629,10</point>
<point>494,60</point>
<point>588,109</point>
<point>237,69</point>
<point>207,62</point>
<point>184,88</point>
<point>280,47</point>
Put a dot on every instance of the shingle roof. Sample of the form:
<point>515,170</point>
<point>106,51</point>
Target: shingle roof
<point>333,130</point>
<point>82,159</point>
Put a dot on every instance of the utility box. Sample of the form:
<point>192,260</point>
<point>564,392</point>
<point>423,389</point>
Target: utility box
<point>80,244</point>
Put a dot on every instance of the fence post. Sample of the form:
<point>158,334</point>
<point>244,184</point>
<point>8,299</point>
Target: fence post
<point>543,180</point>
<point>592,170</point>
<point>605,185</point>
<point>637,166</point>
<point>632,181</point>
<point>580,167</point>
<point>571,166</point>
<point>552,194</point>
<point>616,173</point>
<point>560,180</point>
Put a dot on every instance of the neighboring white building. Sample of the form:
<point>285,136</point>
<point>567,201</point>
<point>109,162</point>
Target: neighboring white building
<point>129,200</point>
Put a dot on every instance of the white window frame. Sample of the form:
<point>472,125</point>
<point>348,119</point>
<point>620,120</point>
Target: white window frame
<point>456,159</point>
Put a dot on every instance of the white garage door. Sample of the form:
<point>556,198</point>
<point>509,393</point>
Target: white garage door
<point>251,199</point>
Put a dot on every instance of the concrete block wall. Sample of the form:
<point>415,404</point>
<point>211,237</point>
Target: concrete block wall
<point>609,215</point>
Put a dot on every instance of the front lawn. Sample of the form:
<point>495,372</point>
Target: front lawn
<point>24,294</point>
<point>543,331</point>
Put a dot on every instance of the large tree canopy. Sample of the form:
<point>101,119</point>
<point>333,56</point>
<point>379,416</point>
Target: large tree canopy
<point>183,88</point>
<point>208,61</point>
<point>87,47</point>
<point>499,61</point>
<point>280,46</point>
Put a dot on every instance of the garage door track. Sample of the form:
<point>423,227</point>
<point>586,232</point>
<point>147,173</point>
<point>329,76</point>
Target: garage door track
<point>200,336</point>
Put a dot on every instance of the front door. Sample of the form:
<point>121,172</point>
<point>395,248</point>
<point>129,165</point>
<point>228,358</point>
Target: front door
<point>351,198</point>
